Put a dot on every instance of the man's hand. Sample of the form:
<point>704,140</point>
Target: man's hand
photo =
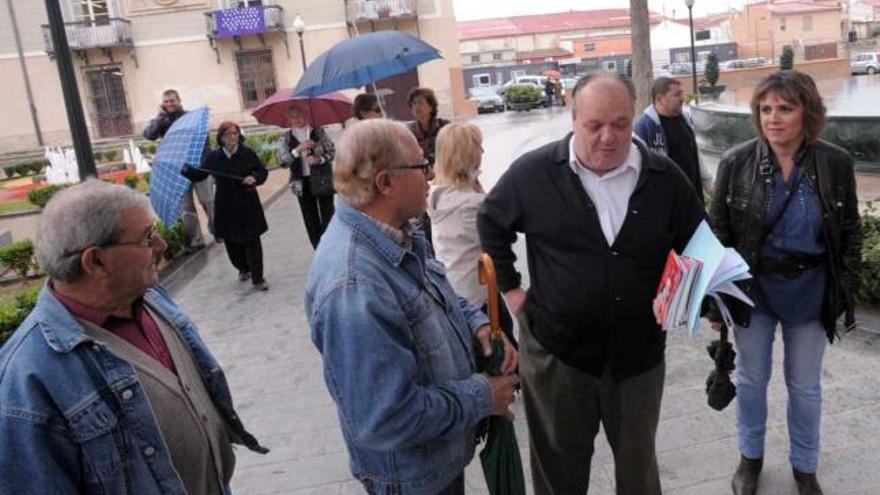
<point>249,181</point>
<point>515,299</point>
<point>313,160</point>
<point>502,394</point>
<point>511,357</point>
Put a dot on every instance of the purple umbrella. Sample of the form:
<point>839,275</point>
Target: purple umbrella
<point>331,108</point>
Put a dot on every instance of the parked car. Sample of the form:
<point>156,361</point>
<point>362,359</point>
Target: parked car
<point>486,99</point>
<point>568,83</point>
<point>679,68</point>
<point>865,63</point>
<point>745,63</point>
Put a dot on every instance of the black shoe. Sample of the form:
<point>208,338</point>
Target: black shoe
<point>261,286</point>
<point>745,479</point>
<point>242,276</point>
<point>807,484</point>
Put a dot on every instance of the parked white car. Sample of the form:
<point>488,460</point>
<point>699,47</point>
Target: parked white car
<point>865,63</point>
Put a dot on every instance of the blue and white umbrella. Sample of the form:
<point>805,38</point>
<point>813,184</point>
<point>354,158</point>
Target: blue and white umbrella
<point>363,60</point>
<point>184,143</point>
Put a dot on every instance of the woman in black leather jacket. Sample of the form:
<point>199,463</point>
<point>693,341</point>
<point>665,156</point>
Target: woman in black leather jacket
<point>787,202</point>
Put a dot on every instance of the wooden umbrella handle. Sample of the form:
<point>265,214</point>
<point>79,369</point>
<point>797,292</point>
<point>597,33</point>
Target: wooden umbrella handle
<point>486,270</point>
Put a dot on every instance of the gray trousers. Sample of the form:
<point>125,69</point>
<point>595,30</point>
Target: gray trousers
<point>204,190</point>
<point>564,408</point>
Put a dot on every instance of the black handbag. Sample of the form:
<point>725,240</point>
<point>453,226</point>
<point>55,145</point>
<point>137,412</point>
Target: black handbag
<point>321,180</point>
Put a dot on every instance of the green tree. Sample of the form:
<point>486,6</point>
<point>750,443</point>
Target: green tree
<point>786,60</point>
<point>712,69</point>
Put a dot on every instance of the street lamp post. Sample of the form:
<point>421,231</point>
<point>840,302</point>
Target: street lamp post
<point>690,6</point>
<point>299,27</point>
<point>82,146</point>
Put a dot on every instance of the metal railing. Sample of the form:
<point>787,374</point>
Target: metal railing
<point>371,10</point>
<point>273,17</point>
<point>84,35</point>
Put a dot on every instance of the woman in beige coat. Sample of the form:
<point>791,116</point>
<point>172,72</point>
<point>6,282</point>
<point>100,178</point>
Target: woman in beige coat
<point>453,201</point>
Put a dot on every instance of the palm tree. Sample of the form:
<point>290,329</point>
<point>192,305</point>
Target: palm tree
<point>642,73</point>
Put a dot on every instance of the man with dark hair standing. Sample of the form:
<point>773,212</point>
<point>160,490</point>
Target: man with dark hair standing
<point>600,213</point>
<point>169,111</point>
<point>668,131</point>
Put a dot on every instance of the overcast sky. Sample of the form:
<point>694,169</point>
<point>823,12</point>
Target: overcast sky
<point>466,10</point>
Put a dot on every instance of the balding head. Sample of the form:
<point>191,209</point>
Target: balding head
<point>365,149</point>
<point>604,106</point>
<point>596,77</point>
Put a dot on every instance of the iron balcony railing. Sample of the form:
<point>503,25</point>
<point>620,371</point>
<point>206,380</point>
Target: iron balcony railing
<point>237,23</point>
<point>88,34</point>
<point>372,10</point>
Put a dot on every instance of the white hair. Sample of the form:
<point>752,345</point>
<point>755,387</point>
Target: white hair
<point>364,150</point>
<point>79,217</point>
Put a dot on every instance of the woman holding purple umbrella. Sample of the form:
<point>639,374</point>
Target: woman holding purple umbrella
<point>308,152</point>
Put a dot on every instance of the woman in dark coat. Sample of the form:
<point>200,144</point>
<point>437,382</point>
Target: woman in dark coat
<point>787,202</point>
<point>423,106</point>
<point>238,213</point>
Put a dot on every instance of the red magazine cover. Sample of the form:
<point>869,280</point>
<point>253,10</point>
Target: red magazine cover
<point>668,286</point>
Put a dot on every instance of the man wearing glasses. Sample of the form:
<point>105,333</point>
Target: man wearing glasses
<point>107,387</point>
<point>397,343</point>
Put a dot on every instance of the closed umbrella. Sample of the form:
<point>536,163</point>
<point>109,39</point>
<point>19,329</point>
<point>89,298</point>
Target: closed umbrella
<point>363,60</point>
<point>720,390</point>
<point>331,108</point>
<point>502,465</point>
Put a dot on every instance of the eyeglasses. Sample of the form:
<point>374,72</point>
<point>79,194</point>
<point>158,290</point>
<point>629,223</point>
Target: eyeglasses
<point>149,241</point>
<point>425,166</point>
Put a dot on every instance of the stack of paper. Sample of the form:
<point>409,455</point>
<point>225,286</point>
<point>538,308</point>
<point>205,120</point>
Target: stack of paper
<point>705,268</point>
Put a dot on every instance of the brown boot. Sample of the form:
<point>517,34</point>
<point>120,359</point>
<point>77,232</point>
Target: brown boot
<point>745,479</point>
<point>807,484</point>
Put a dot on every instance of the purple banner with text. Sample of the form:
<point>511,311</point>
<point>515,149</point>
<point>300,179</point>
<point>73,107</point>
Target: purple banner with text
<point>240,21</point>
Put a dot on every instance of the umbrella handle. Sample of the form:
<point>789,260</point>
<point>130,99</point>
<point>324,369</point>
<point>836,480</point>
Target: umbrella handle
<point>379,100</point>
<point>486,271</point>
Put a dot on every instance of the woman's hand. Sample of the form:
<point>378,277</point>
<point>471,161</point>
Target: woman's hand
<point>308,144</point>
<point>313,160</point>
<point>249,181</point>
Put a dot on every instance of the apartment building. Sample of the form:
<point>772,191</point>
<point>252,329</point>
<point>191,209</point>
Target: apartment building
<point>227,54</point>
<point>814,30</point>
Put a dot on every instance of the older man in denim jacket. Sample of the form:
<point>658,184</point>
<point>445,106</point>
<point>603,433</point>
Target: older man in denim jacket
<point>396,340</point>
<point>107,387</point>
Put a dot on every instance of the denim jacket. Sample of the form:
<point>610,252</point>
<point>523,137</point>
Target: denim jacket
<point>75,420</point>
<point>397,346</point>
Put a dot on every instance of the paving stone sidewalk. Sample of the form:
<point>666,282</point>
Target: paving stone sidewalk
<point>262,341</point>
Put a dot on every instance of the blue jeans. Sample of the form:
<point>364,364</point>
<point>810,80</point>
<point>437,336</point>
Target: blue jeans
<point>804,346</point>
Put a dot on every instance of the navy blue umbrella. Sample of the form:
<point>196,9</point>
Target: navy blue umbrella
<point>363,60</point>
<point>183,144</point>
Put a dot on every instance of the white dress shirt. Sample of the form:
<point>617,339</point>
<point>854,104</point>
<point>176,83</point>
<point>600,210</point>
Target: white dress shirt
<point>610,192</point>
<point>301,134</point>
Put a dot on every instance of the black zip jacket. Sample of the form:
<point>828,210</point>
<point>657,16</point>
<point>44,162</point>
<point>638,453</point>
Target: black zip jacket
<point>589,303</point>
<point>742,186</point>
